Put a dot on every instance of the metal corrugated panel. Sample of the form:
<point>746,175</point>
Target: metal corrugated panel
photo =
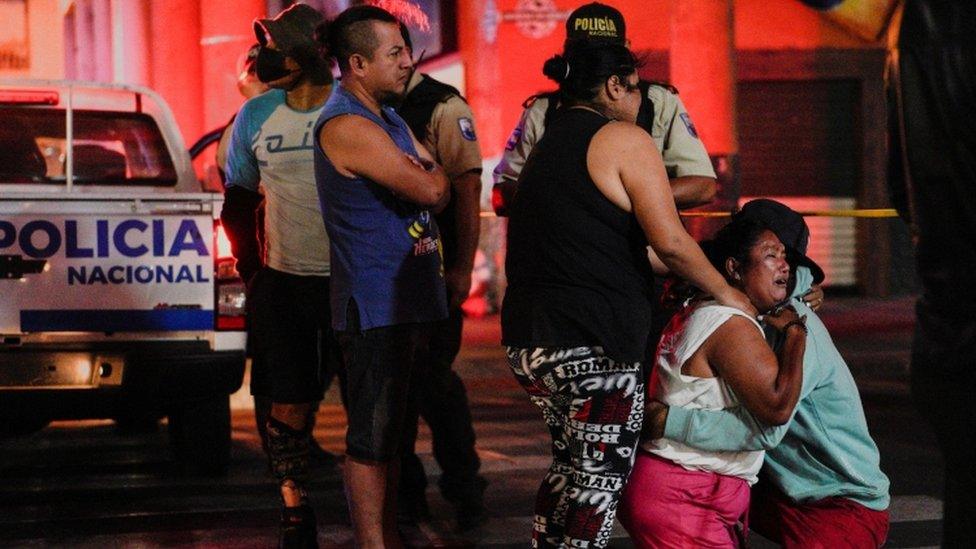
<point>799,143</point>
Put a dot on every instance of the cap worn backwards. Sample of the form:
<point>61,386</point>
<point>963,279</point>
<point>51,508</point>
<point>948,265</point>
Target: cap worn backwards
<point>788,226</point>
<point>292,28</point>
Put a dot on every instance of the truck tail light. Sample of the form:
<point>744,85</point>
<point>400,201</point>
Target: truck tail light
<point>228,286</point>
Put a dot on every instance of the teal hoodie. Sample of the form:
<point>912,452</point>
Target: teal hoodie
<point>825,449</point>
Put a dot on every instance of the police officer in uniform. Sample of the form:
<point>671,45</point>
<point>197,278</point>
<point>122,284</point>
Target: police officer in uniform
<point>662,114</point>
<point>442,121</point>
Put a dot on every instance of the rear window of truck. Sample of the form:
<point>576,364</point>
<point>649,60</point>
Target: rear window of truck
<point>110,148</point>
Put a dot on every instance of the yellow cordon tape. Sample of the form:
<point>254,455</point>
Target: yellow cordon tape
<point>863,213</point>
<point>869,213</point>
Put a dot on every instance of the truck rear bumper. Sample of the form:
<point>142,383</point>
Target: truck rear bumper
<point>96,380</point>
<point>54,370</point>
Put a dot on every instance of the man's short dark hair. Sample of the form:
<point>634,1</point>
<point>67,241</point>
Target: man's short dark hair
<point>405,33</point>
<point>351,33</point>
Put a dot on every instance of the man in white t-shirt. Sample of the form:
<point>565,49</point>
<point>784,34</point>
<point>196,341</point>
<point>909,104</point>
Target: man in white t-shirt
<point>288,285</point>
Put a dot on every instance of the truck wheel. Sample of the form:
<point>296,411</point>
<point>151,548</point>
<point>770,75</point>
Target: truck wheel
<point>200,436</point>
<point>137,422</point>
<point>15,423</point>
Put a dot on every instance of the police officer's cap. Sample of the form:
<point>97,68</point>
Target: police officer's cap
<point>596,22</point>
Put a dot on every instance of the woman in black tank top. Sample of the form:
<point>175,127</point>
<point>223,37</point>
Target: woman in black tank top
<point>576,314</point>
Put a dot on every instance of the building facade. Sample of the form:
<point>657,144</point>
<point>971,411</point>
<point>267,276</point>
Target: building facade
<point>787,98</point>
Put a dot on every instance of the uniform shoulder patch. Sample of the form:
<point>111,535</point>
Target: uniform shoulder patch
<point>514,139</point>
<point>467,129</point>
<point>689,124</point>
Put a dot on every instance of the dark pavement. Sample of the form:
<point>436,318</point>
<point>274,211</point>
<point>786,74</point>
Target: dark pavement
<point>82,485</point>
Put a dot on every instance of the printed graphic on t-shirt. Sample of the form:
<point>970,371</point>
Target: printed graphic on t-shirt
<point>424,242</point>
<point>282,143</point>
<point>424,246</point>
<point>416,230</point>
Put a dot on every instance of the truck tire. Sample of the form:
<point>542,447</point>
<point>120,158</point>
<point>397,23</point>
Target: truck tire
<point>137,421</point>
<point>200,436</point>
<point>18,423</point>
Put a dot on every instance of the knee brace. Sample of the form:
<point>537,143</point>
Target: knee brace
<point>288,451</point>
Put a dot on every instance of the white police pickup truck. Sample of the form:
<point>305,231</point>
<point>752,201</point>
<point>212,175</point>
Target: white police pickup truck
<point>118,294</point>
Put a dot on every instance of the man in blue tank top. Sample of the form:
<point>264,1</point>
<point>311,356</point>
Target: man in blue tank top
<point>376,187</point>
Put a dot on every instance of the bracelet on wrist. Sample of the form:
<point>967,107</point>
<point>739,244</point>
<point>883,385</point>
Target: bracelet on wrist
<point>796,323</point>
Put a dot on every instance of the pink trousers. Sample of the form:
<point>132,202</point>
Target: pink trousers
<point>667,506</point>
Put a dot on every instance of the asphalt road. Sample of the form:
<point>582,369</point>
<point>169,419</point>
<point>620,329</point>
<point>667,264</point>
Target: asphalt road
<point>81,484</point>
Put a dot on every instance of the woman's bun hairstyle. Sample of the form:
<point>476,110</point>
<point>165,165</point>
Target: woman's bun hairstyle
<point>556,68</point>
<point>582,69</point>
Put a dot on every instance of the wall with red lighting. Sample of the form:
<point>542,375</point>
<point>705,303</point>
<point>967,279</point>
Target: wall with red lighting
<point>193,54</point>
<point>503,61</point>
<point>44,39</point>
<point>504,44</point>
<point>187,50</point>
<point>191,48</point>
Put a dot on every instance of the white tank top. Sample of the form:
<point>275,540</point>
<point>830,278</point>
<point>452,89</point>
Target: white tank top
<point>686,332</point>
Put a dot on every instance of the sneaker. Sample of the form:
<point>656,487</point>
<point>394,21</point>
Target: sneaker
<point>470,515</point>
<point>298,529</point>
<point>468,500</point>
<point>412,510</point>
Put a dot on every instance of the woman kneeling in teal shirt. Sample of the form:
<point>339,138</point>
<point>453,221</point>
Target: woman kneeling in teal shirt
<point>821,484</point>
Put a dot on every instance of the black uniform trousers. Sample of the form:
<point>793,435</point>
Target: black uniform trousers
<point>439,397</point>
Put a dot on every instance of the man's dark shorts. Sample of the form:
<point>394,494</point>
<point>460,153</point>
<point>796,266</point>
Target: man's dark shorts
<point>290,329</point>
<point>378,365</point>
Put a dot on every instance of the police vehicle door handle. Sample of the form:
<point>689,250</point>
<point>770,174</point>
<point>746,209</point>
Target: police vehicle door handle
<point>14,267</point>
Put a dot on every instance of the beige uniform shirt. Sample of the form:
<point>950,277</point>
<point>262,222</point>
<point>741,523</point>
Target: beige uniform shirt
<point>672,131</point>
<point>451,137</point>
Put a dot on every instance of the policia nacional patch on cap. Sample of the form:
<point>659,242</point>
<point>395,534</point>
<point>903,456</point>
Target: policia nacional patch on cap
<point>596,21</point>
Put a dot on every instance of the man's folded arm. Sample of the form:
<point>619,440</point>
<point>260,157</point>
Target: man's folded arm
<point>358,147</point>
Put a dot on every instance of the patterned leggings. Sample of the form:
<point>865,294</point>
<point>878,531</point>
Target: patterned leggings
<point>593,407</point>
